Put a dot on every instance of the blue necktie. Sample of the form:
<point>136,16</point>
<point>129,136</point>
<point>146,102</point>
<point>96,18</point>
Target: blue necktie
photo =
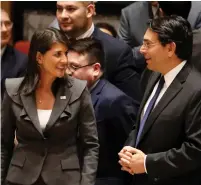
<point>149,108</point>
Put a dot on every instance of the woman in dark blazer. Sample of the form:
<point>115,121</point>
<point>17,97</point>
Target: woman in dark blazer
<point>53,118</point>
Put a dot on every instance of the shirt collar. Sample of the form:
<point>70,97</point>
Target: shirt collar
<point>3,50</point>
<point>155,10</point>
<point>170,76</point>
<point>94,85</point>
<point>88,33</point>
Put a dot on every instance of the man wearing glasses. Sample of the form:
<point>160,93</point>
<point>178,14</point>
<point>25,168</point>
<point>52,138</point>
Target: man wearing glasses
<point>75,18</point>
<point>115,111</point>
<point>13,63</point>
<point>165,146</point>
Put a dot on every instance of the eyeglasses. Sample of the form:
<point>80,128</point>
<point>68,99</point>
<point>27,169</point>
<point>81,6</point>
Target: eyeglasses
<point>148,45</point>
<point>73,68</point>
<point>7,24</point>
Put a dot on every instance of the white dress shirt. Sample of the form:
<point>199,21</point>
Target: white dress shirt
<point>3,50</point>
<point>169,77</point>
<point>43,116</point>
<point>155,10</point>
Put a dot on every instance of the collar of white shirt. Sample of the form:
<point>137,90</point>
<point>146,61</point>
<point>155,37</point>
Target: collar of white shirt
<point>88,33</point>
<point>170,76</point>
<point>3,50</point>
<point>155,10</point>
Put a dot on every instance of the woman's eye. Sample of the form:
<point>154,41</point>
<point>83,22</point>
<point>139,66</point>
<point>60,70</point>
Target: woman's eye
<point>57,54</point>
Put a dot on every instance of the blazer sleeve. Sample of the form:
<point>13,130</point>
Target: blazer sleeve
<point>88,137</point>
<point>124,34</point>
<point>7,135</point>
<point>186,158</point>
<point>126,76</point>
<point>124,31</point>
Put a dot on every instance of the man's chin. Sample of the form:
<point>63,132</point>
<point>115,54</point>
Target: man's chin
<point>4,43</point>
<point>66,29</point>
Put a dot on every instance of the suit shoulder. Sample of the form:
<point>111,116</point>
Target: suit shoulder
<point>194,80</point>
<point>12,85</point>
<point>112,93</point>
<point>77,86</point>
<point>135,6</point>
<point>111,43</point>
<point>20,56</point>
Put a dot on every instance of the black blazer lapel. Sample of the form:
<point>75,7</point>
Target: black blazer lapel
<point>155,77</point>
<point>172,91</point>
<point>96,91</point>
<point>29,104</point>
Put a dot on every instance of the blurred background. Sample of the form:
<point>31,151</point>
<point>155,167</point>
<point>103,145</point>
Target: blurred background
<point>28,16</point>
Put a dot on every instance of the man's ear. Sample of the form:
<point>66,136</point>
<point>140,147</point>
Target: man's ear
<point>39,57</point>
<point>97,69</point>
<point>171,49</point>
<point>90,10</point>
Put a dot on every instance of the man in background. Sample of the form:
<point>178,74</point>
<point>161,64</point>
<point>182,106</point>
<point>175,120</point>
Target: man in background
<point>115,111</point>
<point>75,19</point>
<point>13,62</point>
<point>133,24</point>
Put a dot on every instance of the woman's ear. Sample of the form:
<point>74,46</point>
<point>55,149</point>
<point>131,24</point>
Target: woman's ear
<point>39,57</point>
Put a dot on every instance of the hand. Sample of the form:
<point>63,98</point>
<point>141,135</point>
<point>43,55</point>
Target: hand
<point>125,158</point>
<point>132,164</point>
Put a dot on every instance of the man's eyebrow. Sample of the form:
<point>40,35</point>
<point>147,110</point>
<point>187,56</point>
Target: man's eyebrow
<point>146,40</point>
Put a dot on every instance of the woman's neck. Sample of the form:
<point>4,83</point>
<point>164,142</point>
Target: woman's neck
<point>45,83</point>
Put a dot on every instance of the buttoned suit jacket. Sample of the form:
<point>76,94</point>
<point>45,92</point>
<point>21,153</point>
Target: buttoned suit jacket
<point>13,65</point>
<point>66,152</point>
<point>115,114</point>
<point>171,137</point>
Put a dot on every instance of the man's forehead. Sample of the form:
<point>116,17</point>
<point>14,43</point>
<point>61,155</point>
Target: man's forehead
<point>70,3</point>
<point>76,56</point>
<point>4,15</point>
<point>150,35</point>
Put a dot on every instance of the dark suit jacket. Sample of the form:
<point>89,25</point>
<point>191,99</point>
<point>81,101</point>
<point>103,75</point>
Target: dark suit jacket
<point>119,64</point>
<point>133,25</point>
<point>171,137</point>
<point>115,114</point>
<point>13,65</point>
<point>52,153</point>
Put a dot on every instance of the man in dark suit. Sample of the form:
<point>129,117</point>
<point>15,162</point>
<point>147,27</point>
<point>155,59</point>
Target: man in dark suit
<point>133,24</point>
<point>165,146</point>
<point>75,19</point>
<point>13,63</point>
<point>180,8</point>
<point>115,111</point>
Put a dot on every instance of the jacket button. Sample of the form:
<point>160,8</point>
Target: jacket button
<point>156,179</point>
